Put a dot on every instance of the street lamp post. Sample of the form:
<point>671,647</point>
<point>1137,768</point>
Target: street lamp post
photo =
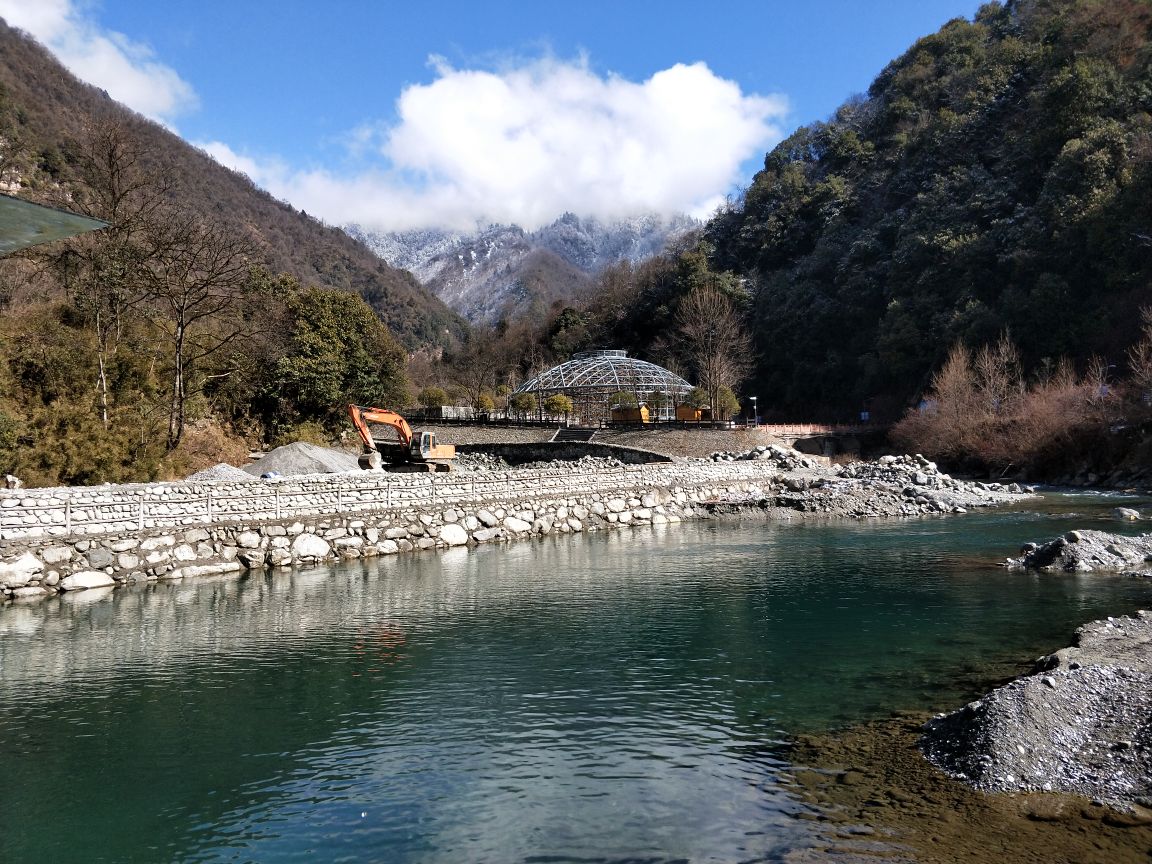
<point>755,412</point>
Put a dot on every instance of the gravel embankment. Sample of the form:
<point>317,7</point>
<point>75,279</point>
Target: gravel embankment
<point>1081,723</point>
<point>890,486</point>
<point>458,435</point>
<point>695,443</point>
<point>688,443</point>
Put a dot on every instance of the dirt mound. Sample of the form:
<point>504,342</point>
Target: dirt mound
<point>300,457</point>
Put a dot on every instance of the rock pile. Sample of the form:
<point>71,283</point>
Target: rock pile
<point>891,486</point>
<point>786,458</point>
<point>917,471</point>
<point>1085,551</point>
<point>1081,723</point>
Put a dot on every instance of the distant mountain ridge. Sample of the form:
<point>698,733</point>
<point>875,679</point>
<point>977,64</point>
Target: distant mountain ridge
<point>503,271</point>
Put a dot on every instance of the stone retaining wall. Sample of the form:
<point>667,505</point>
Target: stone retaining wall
<point>567,451</point>
<point>64,539</point>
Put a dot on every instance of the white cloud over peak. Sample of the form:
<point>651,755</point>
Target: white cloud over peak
<point>526,144</point>
<point>128,70</point>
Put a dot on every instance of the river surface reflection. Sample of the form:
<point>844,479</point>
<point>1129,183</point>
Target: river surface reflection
<point>610,697</point>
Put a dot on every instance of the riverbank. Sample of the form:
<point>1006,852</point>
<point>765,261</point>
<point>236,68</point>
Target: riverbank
<point>875,797</point>
<point>1053,764</point>
<point>1078,724</point>
<point>54,540</point>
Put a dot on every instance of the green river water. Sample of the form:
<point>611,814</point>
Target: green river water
<point>613,697</point>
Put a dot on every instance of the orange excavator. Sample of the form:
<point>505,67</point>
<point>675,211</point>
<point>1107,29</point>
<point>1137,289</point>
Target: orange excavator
<point>407,451</point>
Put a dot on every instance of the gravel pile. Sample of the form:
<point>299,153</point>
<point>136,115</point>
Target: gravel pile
<point>479,462</point>
<point>301,458</point>
<point>1081,723</point>
<point>584,463</point>
<point>1085,551</point>
<point>220,471</point>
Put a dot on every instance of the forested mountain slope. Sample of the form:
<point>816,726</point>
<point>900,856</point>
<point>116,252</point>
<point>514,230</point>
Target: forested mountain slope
<point>996,176</point>
<point>44,114</point>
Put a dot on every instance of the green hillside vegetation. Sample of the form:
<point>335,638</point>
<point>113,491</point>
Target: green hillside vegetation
<point>996,177</point>
<point>207,318</point>
<point>45,114</point>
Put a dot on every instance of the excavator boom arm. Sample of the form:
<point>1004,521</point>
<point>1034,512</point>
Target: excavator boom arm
<point>362,416</point>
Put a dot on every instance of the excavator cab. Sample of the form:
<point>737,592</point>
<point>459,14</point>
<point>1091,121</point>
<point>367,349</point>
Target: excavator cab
<point>421,444</point>
<point>426,449</point>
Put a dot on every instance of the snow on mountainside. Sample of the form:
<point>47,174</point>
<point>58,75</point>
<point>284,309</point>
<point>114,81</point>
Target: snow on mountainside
<point>503,271</point>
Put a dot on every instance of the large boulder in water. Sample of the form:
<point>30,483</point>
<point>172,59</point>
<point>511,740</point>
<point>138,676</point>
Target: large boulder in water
<point>1085,551</point>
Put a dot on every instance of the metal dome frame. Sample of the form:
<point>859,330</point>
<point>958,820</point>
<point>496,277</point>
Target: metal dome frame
<point>590,378</point>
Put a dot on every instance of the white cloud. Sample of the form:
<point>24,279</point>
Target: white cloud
<point>526,144</point>
<point>522,144</point>
<point>128,70</point>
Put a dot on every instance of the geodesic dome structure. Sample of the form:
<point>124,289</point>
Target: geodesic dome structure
<point>591,379</point>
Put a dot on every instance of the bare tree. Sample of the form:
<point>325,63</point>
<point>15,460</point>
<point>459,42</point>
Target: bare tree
<point>1140,361</point>
<point>198,274</point>
<point>999,378</point>
<point>715,339</point>
<point>104,274</point>
<point>475,368</point>
<point>947,420</point>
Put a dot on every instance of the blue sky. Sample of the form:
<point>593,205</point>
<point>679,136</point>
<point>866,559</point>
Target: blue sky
<point>407,114</point>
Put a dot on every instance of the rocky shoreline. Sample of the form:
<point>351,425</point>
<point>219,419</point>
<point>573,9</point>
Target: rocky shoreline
<point>1081,721</point>
<point>891,486</point>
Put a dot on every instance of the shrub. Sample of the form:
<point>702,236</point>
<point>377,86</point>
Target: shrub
<point>522,403</point>
<point>432,397</point>
<point>558,404</point>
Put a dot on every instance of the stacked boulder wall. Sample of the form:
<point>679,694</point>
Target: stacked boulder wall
<point>1080,724</point>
